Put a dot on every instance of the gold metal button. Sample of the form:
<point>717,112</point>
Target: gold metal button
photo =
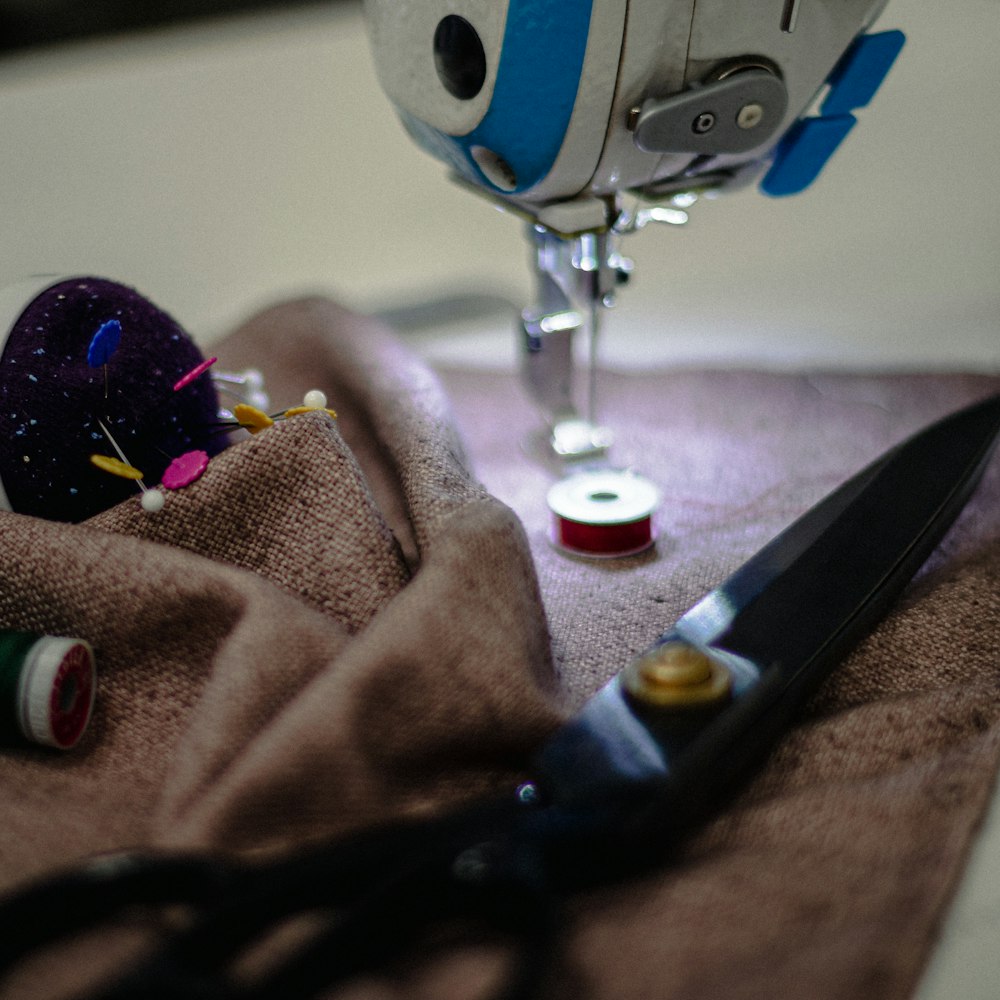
<point>677,675</point>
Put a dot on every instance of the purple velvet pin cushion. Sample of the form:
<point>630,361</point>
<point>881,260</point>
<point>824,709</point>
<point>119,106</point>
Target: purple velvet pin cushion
<point>77,353</point>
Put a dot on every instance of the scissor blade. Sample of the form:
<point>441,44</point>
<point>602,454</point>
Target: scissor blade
<point>780,623</point>
<point>834,571</point>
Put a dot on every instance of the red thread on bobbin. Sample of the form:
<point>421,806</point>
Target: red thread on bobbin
<point>604,539</point>
<point>72,696</point>
<point>603,513</point>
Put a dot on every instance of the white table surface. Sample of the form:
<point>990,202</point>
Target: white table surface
<point>222,166</point>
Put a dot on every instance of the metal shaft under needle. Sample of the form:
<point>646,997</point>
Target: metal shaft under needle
<point>571,274</point>
<point>593,324</point>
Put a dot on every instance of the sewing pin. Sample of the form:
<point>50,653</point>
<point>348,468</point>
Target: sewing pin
<point>185,469</point>
<point>247,387</point>
<point>116,468</point>
<point>314,399</point>
<point>152,500</point>
<point>254,420</point>
<point>102,347</point>
<point>250,417</point>
<point>193,374</point>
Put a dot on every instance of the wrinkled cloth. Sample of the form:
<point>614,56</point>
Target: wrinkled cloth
<point>349,621</point>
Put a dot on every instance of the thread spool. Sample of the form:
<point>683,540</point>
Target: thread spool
<point>47,689</point>
<point>606,513</point>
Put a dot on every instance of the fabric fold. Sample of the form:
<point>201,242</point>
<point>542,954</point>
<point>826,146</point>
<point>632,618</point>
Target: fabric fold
<point>341,623</point>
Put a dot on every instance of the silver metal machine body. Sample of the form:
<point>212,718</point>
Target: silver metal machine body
<point>592,118</point>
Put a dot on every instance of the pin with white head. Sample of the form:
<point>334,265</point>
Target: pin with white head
<point>152,500</point>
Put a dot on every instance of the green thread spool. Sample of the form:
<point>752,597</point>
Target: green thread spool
<point>47,689</point>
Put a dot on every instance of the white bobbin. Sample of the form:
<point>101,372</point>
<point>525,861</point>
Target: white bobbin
<point>603,513</point>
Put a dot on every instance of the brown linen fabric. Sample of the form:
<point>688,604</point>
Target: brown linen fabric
<point>338,624</point>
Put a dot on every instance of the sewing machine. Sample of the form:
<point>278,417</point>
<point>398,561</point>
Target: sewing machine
<point>592,120</point>
<point>147,109</point>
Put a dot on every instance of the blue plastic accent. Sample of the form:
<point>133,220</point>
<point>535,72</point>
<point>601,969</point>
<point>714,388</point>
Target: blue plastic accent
<point>545,42</point>
<point>535,91</point>
<point>810,142</point>
<point>803,153</point>
<point>861,70</point>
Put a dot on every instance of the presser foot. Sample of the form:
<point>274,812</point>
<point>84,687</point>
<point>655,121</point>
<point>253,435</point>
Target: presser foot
<point>577,440</point>
<point>569,446</point>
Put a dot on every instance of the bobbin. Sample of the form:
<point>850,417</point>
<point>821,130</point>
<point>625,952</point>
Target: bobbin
<point>603,513</point>
<point>47,688</point>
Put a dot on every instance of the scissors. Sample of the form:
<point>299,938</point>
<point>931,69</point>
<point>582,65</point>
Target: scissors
<point>651,755</point>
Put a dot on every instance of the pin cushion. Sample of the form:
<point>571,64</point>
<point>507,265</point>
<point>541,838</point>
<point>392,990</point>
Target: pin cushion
<point>78,353</point>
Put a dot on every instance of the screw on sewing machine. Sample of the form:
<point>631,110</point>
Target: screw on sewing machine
<point>704,123</point>
<point>750,116</point>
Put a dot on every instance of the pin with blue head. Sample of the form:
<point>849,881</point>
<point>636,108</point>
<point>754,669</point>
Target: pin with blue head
<point>84,362</point>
